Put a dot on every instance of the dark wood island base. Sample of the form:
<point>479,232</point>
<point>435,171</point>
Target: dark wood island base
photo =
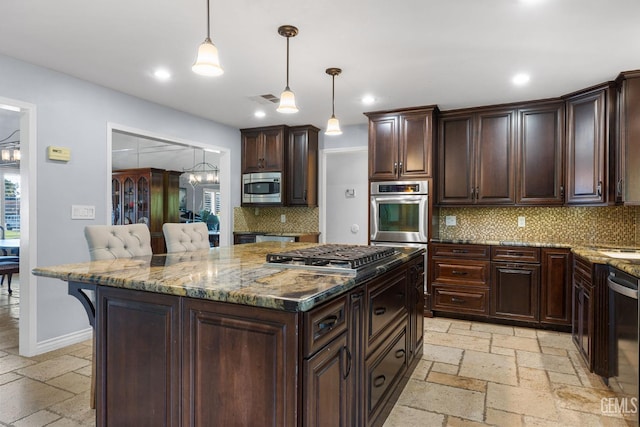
<point>175,360</point>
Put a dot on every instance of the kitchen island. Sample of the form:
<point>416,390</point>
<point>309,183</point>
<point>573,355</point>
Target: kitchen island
<point>218,338</point>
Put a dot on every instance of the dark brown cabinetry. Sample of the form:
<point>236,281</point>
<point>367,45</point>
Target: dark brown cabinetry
<point>263,149</point>
<point>590,326</point>
<point>555,286</point>
<point>476,152</point>
<point>128,366</point>
<point>302,166</point>
<point>628,153</point>
<point>401,143</point>
<point>520,284</point>
<point>460,278</point>
<point>515,286</point>
<point>343,363</point>
<point>540,150</point>
<point>589,134</point>
<point>148,196</point>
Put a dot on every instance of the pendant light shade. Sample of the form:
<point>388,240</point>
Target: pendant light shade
<point>207,62</point>
<point>333,125</point>
<point>287,98</point>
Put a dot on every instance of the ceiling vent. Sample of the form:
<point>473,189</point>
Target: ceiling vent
<point>265,99</point>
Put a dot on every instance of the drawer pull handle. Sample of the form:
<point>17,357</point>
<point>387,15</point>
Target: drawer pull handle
<point>458,300</point>
<point>400,353</point>
<point>459,251</point>
<point>459,273</point>
<point>346,374</point>
<point>515,253</point>
<point>379,381</point>
<point>327,323</point>
<point>380,311</point>
<point>400,294</point>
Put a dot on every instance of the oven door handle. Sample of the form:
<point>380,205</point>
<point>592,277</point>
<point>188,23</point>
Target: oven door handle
<point>621,289</point>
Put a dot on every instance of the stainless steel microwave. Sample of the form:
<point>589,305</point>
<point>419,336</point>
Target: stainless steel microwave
<point>263,187</point>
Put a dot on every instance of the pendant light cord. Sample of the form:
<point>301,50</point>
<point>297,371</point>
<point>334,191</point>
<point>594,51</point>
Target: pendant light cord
<point>208,21</point>
<point>287,63</point>
<point>333,95</point>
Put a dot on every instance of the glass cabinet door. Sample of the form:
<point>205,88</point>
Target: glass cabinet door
<point>143,201</point>
<point>116,218</point>
<point>129,201</point>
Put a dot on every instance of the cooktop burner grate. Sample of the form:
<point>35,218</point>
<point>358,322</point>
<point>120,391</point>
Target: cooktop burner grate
<point>339,256</point>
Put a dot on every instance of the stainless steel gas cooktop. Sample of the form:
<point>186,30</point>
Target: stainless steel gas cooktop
<point>331,258</point>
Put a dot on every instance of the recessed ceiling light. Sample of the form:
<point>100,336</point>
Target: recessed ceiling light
<point>520,79</point>
<point>162,74</point>
<point>259,114</point>
<point>368,99</point>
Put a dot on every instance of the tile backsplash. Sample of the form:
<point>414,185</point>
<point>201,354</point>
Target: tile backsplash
<point>298,220</point>
<point>610,225</point>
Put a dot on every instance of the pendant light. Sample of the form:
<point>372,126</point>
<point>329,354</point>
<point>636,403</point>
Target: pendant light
<point>287,98</point>
<point>207,63</point>
<point>333,125</point>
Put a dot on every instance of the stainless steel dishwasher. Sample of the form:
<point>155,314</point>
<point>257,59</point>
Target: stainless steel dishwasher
<point>623,350</point>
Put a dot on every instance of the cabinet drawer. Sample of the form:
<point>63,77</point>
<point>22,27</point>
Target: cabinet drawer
<point>384,369</point>
<point>387,302</point>
<point>461,272</point>
<point>450,250</point>
<point>325,323</point>
<point>583,268</point>
<point>460,299</point>
<point>515,253</point>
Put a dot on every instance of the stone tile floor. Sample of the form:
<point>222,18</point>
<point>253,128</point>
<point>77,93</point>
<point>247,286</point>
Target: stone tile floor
<point>472,374</point>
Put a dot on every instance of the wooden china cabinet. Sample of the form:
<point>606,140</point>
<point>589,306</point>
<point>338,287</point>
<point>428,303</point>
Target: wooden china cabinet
<point>147,196</point>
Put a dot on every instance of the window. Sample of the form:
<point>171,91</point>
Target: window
<point>11,204</point>
<point>212,200</point>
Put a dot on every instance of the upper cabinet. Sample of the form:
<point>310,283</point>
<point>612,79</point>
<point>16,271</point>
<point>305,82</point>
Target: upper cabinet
<point>401,144</point>
<point>293,151</point>
<point>476,151</point>
<point>539,158</point>
<point>302,166</point>
<point>263,149</point>
<point>628,154</point>
<point>590,116</point>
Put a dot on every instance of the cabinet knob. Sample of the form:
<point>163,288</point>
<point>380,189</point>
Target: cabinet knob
<point>380,311</point>
<point>400,167</point>
<point>395,167</point>
<point>379,381</point>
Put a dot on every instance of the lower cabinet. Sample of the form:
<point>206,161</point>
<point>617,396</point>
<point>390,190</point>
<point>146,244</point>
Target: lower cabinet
<point>177,361</point>
<point>528,285</point>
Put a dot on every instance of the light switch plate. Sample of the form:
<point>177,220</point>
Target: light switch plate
<point>83,212</point>
<point>521,221</point>
<point>450,220</point>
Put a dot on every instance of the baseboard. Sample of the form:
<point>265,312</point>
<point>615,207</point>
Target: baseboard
<point>63,341</point>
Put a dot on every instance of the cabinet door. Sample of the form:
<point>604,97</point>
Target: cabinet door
<point>495,173</point>
<point>355,343</point>
<point>416,317</point>
<point>238,364</point>
<point>586,157</point>
<point>383,147</point>
<point>138,350</point>
<point>251,151</point>
<point>514,291</point>
<point>455,154</point>
<point>302,167</point>
<point>273,150</point>
<point>629,137</point>
<point>555,289</point>
<point>116,202</point>
<point>327,386</point>
<point>540,155</point>
<point>415,145</point>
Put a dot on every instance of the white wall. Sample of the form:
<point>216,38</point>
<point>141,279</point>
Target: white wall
<point>74,113</point>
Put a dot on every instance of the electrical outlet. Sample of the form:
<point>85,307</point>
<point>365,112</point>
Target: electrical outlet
<point>521,221</point>
<point>450,220</point>
<point>283,218</point>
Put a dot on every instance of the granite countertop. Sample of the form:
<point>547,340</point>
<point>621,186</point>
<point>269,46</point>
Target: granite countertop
<point>235,274</point>
<point>275,233</point>
<point>589,252</point>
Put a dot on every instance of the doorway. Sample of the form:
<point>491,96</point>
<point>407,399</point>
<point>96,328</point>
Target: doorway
<point>344,217</point>
<point>135,148</point>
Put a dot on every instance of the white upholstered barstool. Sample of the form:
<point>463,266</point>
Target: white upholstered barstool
<point>187,237</point>
<point>118,241</point>
<point>112,242</point>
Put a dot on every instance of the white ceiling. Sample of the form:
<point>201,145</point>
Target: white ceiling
<point>454,53</point>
